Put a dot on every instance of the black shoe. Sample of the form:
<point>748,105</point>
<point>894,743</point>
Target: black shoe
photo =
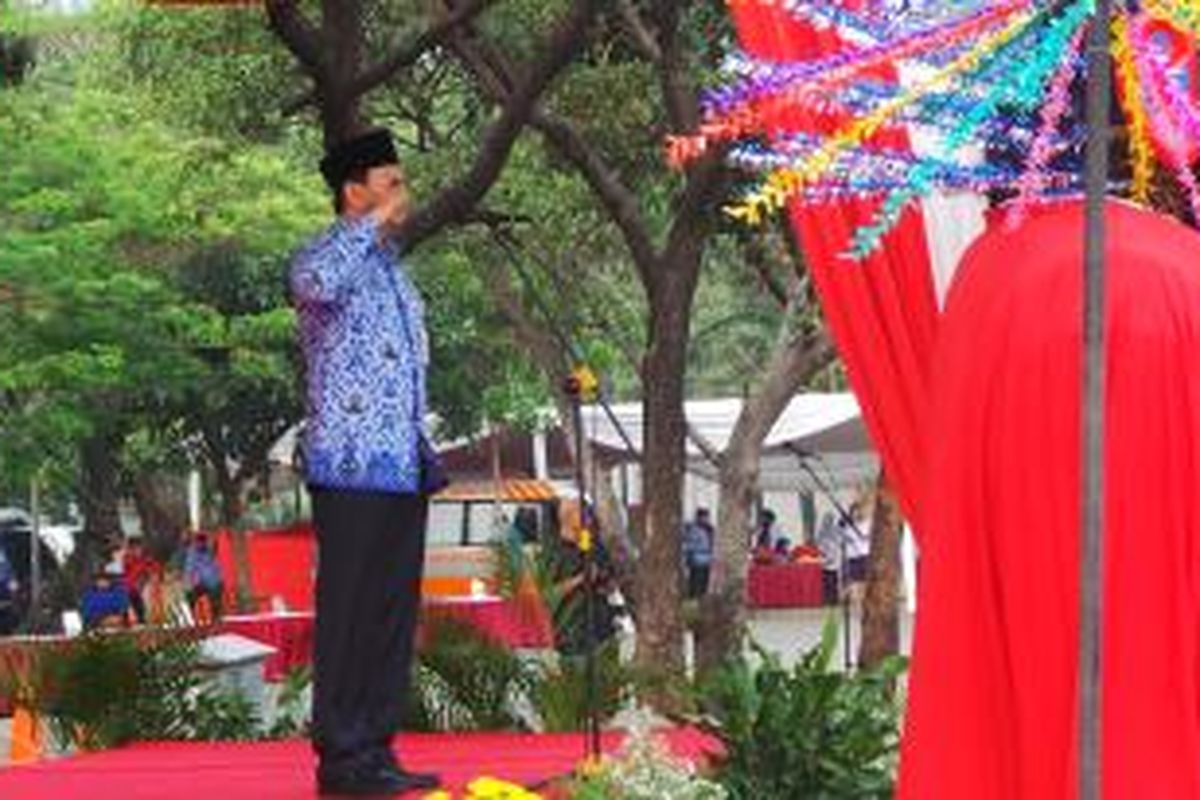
<point>385,759</point>
<point>361,780</point>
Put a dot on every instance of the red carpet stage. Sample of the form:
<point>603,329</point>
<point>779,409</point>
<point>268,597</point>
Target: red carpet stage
<point>283,770</point>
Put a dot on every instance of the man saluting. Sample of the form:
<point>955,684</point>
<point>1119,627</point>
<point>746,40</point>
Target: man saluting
<point>368,466</point>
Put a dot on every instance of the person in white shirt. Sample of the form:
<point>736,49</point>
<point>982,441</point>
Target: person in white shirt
<point>857,531</point>
<point>830,543</point>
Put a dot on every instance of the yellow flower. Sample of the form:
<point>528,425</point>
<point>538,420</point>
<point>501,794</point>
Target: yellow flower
<point>488,788</point>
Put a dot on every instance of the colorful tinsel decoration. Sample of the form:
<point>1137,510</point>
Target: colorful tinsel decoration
<point>998,76</point>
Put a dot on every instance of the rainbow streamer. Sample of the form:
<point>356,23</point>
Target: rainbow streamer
<point>976,76</point>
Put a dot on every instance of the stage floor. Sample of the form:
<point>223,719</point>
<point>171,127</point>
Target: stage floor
<point>284,770</point>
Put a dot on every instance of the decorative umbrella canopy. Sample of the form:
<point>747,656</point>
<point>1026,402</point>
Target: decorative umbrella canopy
<point>993,85</point>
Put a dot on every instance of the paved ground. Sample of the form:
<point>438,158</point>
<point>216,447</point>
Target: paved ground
<point>792,632</point>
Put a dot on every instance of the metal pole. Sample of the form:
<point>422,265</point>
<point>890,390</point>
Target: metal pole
<point>35,563</point>
<point>1091,586</point>
<point>574,389</point>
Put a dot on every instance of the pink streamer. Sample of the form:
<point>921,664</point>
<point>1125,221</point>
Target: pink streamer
<point>1033,180</point>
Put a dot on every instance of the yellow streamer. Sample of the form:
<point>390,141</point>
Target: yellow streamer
<point>1140,148</point>
<point>1184,14</point>
<point>787,182</point>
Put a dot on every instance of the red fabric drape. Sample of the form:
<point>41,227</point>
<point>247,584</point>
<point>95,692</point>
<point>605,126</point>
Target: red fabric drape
<point>882,313</point>
<point>992,702</point>
<point>282,563</point>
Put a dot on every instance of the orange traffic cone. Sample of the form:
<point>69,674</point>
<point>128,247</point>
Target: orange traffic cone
<point>26,736</point>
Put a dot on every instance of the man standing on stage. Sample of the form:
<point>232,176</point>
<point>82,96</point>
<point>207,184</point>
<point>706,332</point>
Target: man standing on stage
<point>368,466</point>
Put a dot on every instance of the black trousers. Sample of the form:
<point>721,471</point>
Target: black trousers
<point>371,549</point>
<point>698,580</point>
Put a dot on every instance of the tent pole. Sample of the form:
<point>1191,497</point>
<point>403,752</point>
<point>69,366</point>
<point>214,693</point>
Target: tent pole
<point>1091,587</point>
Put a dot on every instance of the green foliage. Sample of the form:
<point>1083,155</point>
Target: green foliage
<point>132,252</point>
<point>104,690</point>
<point>223,716</point>
<point>216,69</point>
<point>809,732</point>
<point>292,705</point>
<point>465,681</point>
<point>560,693</point>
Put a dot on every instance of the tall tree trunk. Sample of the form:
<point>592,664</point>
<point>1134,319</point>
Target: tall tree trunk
<point>162,508</point>
<point>660,618</point>
<point>230,489</point>
<point>723,611</point>
<point>881,603</point>
<point>101,494</point>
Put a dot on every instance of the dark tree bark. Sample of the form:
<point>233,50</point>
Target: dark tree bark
<point>881,602</point>
<point>231,485</point>
<point>162,508</point>
<point>101,495</point>
<point>723,611</point>
<point>17,54</point>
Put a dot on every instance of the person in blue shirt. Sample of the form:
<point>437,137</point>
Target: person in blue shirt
<point>368,466</point>
<point>8,595</point>
<point>202,574</point>
<point>105,602</point>
<point>698,536</point>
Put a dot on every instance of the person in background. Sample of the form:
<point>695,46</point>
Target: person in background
<point>765,540</point>
<point>105,602</point>
<point>698,538</point>
<point>831,544</point>
<point>857,531</point>
<point>138,567</point>
<point>202,574</point>
<point>569,600</point>
<point>8,596</point>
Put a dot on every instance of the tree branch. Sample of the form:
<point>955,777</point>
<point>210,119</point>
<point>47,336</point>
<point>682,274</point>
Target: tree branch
<point>683,110</point>
<point>297,33</point>
<point>403,55</point>
<point>456,200</point>
<point>756,255</point>
<point>618,200</point>
<point>706,182</point>
<point>641,36</point>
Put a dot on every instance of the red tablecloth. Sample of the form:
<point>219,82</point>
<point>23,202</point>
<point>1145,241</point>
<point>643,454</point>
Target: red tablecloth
<point>508,621</point>
<point>291,634</point>
<point>784,585</point>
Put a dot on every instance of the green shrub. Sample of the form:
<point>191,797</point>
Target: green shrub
<point>465,681</point>
<point>559,692</point>
<point>292,705</point>
<point>104,690</point>
<point>810,732</point>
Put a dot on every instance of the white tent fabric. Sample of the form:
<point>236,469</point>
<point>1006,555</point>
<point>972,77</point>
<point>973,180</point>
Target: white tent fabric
<point>824,430</point>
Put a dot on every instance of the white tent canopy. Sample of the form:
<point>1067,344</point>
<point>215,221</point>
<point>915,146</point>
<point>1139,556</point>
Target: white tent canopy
<point>822,431</point>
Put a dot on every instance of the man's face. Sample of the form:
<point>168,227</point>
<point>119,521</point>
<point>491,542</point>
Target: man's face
<point>386,187</point>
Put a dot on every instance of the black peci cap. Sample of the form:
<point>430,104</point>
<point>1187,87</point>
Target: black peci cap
<point>373,148</point>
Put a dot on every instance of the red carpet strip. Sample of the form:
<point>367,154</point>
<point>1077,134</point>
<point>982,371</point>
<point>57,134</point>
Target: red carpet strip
<point>284,770</point>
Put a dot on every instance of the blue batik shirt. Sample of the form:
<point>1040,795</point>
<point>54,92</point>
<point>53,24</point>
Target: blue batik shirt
<point>366,353</point>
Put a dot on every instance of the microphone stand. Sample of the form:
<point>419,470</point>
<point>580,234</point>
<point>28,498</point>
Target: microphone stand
<point>580,382</point>
<point>844,517</point>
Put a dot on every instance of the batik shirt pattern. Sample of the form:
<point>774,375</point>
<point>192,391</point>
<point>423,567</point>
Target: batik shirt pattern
<point>366,353</point>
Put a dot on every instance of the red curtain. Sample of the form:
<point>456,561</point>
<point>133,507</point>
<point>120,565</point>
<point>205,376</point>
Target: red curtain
<point>992,702</point>
<point>882,313</point>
